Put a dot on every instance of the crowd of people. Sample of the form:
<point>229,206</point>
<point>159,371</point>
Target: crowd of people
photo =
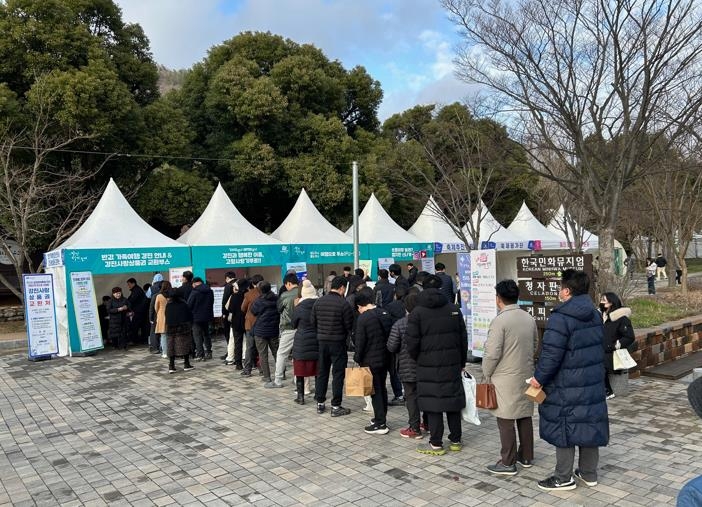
<point>412,331</point>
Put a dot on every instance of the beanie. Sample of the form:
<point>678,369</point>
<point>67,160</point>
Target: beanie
<point>694,394</point>
<point>308,291</point>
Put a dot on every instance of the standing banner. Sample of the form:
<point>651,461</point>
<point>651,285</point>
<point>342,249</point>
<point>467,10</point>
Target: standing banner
<point>217,305</point>
<point>483,306</point>
<point>85,307</point>
<point>175,276</point>
<point>464,290</point>
<point>40,315</point>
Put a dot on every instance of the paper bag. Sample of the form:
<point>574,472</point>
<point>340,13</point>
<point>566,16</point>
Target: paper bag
<point>535,394</point>
<point>485,396</point>
<point>358,381</point>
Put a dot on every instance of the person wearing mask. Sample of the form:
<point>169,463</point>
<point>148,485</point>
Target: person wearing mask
<point>618,333</point>
<point>437,340</point>
<point>267,327</point>
<point>507,361</point>
<point>201,304</point>
<point>305,345</point>
<point>570,370</point>
<point>332,318</point>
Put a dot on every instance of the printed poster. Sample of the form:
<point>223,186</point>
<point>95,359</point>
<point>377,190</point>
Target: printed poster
<point>175,275</point>
<point>217,305</point>
<point>300,269</point>
<point>367,267</point>
<point>483,306</point>
<point>40,315</point>
<point>464,291</point>
<point>85,307</point>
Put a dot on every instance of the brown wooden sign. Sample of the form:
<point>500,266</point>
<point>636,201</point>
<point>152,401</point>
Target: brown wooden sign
<point>539,311</point>
<point>540,290</point>
<point>552,266</point>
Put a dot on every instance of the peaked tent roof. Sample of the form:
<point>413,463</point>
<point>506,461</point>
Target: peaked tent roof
<point>590,241</point>
<point>526,225</point>
<point>114,224</point>
<point>430,227</point>
<point>376,226</point>
<point>222,224</point>
<point>306,225</point>
<point>492,230</point>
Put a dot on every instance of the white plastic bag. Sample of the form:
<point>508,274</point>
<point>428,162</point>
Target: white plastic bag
<point>622,360</point>
<point>470,412</point>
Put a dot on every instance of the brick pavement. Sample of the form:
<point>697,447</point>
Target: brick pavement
<point>116,429</point>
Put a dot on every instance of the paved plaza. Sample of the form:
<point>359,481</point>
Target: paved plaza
<point>116,429</point>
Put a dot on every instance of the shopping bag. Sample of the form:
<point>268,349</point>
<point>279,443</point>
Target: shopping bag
<point>485,396</point>
<point>358,381</point>
<point>622,360</point>
<point>470,412</point>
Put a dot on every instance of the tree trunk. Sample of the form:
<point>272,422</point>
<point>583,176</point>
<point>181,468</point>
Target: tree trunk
<point>683,276</point>
<point>606,272</point>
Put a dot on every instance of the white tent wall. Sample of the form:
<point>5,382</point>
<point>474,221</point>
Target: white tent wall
<point>60,300</point>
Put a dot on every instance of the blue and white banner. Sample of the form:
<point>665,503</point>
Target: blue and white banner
<point>40,315</point>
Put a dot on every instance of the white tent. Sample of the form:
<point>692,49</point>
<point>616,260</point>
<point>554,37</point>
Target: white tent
<point>376,226</point>
<point>114,240</point>
<point>526,225</point>
<point>305,224</point>
<point>429,226</point>
<point>494,235</point>
<point>558,225</point>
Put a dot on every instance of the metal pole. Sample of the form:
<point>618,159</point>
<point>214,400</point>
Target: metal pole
<point>354,177</point>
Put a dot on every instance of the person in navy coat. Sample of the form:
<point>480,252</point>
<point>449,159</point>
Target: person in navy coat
<point>571,371</point>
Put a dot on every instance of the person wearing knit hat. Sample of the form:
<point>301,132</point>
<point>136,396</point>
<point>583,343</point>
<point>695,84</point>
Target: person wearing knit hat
<point>691,494</point>
<point>305,346</point>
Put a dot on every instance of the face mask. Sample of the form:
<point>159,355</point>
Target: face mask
<point>602,307</point>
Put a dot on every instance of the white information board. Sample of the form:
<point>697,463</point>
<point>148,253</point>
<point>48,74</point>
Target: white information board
<point>482,297</point>
<point>175,276</point>
<point>40,315</point>
<point>217,305</point>
<point>85,307</point>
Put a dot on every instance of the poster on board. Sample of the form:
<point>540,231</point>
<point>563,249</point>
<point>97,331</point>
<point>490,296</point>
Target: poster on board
<point>175,276</point>
<point>463,264</point>
<point>367,267</point>
<point>85,306</point>
<point>40,315</point>
<point>300,269</point>
<point>217,304</point>
<point>482,301</point>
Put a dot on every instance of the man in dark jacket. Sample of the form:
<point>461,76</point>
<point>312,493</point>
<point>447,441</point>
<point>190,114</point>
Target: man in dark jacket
<point>266,329</point>
<point>372,330</point>
<point>201,304</point>
<point>571,371</point>
<point>286,306</point>
<point>186,285</point>
<point>229,279</point>
<point>448,288</point>
<point>332,316</point>
<point>139,304</point>
<point>412,273</point>
<point>384,291</point>
<point>400,281</point>
<point>436,338</point>
<point>236,320</point>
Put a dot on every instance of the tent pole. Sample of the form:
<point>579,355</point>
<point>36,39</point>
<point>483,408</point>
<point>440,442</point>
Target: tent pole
<point>354,177</point>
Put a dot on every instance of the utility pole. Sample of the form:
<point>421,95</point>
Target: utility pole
<point>354,178</point>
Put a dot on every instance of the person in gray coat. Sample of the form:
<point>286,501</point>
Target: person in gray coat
<point>508,361</point>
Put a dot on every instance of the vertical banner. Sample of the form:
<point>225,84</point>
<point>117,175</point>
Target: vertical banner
<point>85,308</point>
<point>483,306</point>
<point>175,276</point>
<point>40,315</point>
<point>217,305</point>
<point>464,289</point>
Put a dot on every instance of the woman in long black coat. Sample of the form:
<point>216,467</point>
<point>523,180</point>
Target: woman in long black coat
<point>179,329</point>
<point>617,327</point>
<point>118,308</point>
<point>305,345</point>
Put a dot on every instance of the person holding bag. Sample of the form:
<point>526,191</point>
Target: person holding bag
<point>617,328</point>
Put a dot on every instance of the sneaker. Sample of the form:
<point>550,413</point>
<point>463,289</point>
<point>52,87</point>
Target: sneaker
<point>554,484</point>
<point>610,396</point>
<point>272,385</point>
<point>410,433</point>
<point>397,401</point>
<point>339,411</point>
<point>188,368</point>
<point>368,408</point>
<point>455,446</point>
<point>321,408</point>
<point>164,356</point>
<point>428,448</point>
<point>525,463</point>
<point>423,428</point>
<point>172,370</point>
<point>245,373</point>
<point>209,355</point>
<point>578,475</point>
<point>500,469</point>
<point>228,363</point>
<point>376,429</point>
<point>199,358</point>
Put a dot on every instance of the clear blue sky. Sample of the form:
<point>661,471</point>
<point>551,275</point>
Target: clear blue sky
<point>407,45</point>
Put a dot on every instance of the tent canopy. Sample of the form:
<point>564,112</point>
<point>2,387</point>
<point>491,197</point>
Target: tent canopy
<point>558,225</point>
<point>494,235</point>
<point>376,226</point>
<point>526,225</point>
<point>305,225</point>
<point>429,226</point>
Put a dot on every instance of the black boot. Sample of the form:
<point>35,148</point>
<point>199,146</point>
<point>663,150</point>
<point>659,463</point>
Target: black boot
<point>300,400</point>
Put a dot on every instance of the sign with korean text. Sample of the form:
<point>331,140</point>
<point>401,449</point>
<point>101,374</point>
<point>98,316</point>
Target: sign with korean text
<point>552,266</point>
<point>464,290</point>
<point>85,308</point>
<point>540,290</point>
<point>40,315</point>
<point>539,311</point>
<point>125,260</point>
<point>483,306</point>
<point>175,276</point>
<point>217,305</point>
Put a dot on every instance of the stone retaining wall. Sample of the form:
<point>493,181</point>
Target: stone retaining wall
<point>8,313</point>
<point>666,342</point>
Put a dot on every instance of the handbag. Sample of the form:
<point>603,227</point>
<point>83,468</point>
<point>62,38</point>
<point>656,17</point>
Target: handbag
<point>358,381</point>
<point>470,411</point>
<point>621,359</point>
<point>485,396</point>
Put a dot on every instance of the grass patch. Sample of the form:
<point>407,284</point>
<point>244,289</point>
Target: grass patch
<point>648,311</point>
<point>693,266</point>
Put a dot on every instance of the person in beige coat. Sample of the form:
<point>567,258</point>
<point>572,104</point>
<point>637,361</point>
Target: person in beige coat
<point>508,361</point>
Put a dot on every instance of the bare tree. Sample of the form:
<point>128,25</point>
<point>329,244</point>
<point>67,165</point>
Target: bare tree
<point>41,203</point>
<point>574,75</point>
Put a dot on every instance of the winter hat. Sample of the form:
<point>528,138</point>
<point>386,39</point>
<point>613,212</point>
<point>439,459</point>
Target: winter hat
<point>308,291</point>
<point>694,394</point>
<point>158,277</point>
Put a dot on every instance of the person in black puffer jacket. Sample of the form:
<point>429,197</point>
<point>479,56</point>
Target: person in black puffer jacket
<point>235,316</point>
<point>617,327</point>
<point>305,349</point>
<point>332,317</point>
<point>436,338</point>
<point>179,331</point>
<point>201,304</point>
<point>266,328</point>
<point>372,330</point>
